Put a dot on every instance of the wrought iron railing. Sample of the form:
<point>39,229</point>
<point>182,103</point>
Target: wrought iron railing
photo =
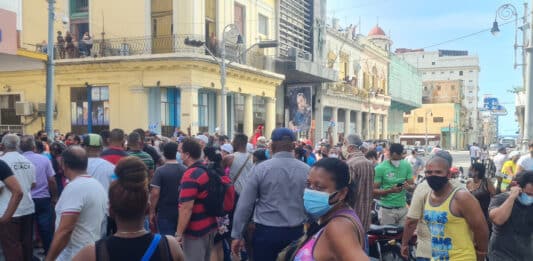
<point>129,46</point>
<point>12,128</point>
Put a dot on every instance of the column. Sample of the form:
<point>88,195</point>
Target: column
<point>270,117</point>
<point>219,111</point>
<point>347,119</point>
<point>248,121</point>
<point>335,129</point>
<point>386,127</point>
<point>319,123</point>
<point>376,126</point>
<point>359,123</point>
<point>367,126</point>
<point>189,112</point>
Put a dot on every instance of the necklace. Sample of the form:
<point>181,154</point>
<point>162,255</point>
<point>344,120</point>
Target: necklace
<point>131,232</point>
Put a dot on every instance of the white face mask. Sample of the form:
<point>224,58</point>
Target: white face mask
<point>333,156</point>
<point>395,163</point>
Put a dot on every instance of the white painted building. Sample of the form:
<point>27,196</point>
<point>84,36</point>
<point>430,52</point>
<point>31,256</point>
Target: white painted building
<point>451,65</point>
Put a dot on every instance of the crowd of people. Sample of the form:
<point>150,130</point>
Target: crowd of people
<point>141,196</point>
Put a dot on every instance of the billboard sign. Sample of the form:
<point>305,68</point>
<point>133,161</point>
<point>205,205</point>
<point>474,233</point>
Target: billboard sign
<point>300,111</point>
<point>491,104</point>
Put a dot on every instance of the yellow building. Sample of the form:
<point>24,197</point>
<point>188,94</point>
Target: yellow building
<point>440,122</point>
<point>140,71</point>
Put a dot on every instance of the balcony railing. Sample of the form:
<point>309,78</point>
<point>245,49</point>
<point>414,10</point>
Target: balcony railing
<point>115,47</point>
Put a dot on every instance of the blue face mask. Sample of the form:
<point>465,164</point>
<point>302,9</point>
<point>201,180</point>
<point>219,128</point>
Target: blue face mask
<point>316,203</point>
<point>178,157</point>
<point>525,199</point>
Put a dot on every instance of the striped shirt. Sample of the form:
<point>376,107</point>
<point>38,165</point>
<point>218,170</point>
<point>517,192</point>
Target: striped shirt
<point>194,187</point>
<point>362,173</point>
<point>145,157</point>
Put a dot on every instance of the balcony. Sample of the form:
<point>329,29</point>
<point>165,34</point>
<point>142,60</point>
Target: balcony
<point>147,46</point>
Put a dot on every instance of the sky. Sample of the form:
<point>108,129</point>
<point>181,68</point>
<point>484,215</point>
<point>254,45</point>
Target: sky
<point>423,23</point>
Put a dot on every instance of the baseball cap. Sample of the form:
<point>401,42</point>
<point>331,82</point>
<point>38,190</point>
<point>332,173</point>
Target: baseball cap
<point>92,140</point>
<point>280,134</point>
<point>514,154</point>
<point>227,148</point>
<point>202,138</point>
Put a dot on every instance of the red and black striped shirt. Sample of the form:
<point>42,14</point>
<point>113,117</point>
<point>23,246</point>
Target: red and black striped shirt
<point>194,187</point>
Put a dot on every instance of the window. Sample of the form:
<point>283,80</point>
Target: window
<point>408,113</point>
<point>453,87</point>
<point>425,88</point>
<point>438,119</point>
<point>8,115</point>
<point>432,72</point>
<point>432,63</point>
<point>405,120</point>
<point>170,110</point>
<point>470,71</point>
<point>460,73</point>
<point>451,72</point>
<point>470,81</point>
<point>424,73</point>
<point>441,72</point>
<point>420,119</point>
<point>438,87</point>
<point>79,108</point>
<point>263,25</point>
<point>239,18</point>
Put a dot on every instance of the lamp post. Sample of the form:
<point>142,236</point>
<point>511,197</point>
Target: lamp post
<point>49,128</point>
<point>222,64</point>
<point>89,107</point>
<point>371,93</point>
<point>507,12</point>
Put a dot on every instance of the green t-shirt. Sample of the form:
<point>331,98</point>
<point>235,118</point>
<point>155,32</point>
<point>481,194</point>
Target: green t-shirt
<point>145,157</point>
<point>389,176</point>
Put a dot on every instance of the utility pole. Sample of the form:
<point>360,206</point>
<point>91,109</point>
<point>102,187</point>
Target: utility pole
<point>49,124</point>
<point>528,117</point>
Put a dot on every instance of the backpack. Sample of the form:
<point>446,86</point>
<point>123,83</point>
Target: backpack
<point>220,199</point>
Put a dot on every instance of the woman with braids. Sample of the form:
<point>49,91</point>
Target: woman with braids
<point>128,205</point>
<point>337,233</point>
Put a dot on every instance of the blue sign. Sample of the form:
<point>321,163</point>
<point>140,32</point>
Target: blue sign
<point>491,104</point>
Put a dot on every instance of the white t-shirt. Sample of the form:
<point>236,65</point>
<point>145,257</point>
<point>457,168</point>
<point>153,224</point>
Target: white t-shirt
<point>86,196</point>
<point>475,152</point>
<point>499,160</point>
<point>102,170</point>
<point>526,162</point>
<point>25,173</point>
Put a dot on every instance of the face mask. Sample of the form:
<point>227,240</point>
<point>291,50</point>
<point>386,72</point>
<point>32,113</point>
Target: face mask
<point>44,139</point>
<point>395,163</point>
<point>316,203</point>
<point>525,199</point>
<point>178,157</point>
<point>333,156</point>
<point>436,182</point>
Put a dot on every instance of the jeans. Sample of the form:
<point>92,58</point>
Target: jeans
<point>45,222</point>
<point>16,238</point>
<point>268,241</point>
<point>166,226</point>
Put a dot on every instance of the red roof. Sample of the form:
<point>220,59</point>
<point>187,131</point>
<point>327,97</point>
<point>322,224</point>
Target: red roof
<point>376,31</point>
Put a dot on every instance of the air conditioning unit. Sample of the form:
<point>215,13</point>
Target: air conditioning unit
<point>23,108</point>
<point>41,107</point>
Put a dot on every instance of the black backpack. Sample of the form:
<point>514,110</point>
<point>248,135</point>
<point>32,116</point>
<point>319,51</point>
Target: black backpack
<point>220,199</point>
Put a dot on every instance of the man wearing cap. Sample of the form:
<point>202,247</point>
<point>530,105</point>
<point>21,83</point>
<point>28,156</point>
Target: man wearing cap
<point>44,194</point>
<point>100,169</point>
<point>362,173</point>
<point>276,190</point>
<point>226,149</point>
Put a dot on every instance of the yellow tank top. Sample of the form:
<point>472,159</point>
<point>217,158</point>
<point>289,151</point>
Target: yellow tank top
<point>451,238</point>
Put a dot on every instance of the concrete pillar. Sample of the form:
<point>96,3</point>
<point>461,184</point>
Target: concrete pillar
<point>377,131</point>
<point>367,126</point>
<point>219,111</point>
<point>347,119</point>
<point>248,121</point>
<point>335,129</point>
<point>386,127</point>
<point>319,123</point>
<point>189,109</point>
<point>270,117</point>
<point>359,123</point>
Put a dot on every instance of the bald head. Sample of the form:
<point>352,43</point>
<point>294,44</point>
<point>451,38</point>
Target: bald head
<point>75,158</point>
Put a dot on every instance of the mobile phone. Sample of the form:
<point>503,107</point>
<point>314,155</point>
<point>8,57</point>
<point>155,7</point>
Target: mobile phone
<point>399,185</point>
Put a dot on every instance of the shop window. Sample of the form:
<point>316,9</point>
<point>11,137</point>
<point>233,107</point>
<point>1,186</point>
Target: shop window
<point>438,119</point>
<point>420,119</point>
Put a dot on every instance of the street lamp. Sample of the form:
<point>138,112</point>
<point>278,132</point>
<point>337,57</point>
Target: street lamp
<point>507,12</point>
<point>222,64</point>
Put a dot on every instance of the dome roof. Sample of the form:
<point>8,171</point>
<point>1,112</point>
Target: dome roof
<point>376,31</point>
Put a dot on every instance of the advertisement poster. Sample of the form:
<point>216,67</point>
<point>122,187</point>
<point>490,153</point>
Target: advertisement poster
<point>300,111</point>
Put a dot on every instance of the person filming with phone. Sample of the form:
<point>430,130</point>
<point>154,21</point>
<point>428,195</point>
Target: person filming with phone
<point>393,177</point>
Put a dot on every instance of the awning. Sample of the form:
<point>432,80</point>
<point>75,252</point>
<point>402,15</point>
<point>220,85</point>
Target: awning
<point>22,61</point>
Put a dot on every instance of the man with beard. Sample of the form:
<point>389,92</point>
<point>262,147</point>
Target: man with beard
<point>458,228</point>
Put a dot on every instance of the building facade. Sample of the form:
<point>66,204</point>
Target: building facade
<point>405,89</point>
<point>140,72</point>
<point>358,102</point>
<point>451,65</point>
<point>439,123</point>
